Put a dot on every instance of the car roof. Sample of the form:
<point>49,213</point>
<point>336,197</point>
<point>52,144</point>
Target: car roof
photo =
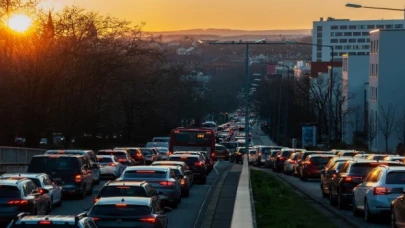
<point>126,148</point>
<point>185,155</point>
<point>26,175</point>
<point>143,201</point>
<point>69,151</point>
<point>156,168</point>
<point>126,183</point>
<point>105,156</point>
<point>394,168</point>
<point>12,182</point>
<point>371,161</point>
<point>169,162</point>
<point>321,155</point>
<point>60,155</point>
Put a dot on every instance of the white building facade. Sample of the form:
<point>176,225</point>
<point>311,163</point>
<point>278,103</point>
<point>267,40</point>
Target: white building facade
<point>354,92</point>
<point>346,37</point>
<point>302,68</point>
<point>387,83</point>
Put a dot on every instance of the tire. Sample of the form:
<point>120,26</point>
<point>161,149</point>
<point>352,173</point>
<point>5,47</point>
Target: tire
<point>49,209</point>
<point>355,211</point>
<point>59,204</point>
<point>324,194</point>
<point>332,200</point>
<point>367,215</point>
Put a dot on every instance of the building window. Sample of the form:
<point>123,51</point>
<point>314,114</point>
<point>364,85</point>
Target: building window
<point>348,47</point>
<point>356,33</point>
<point>388,26</point>
<point>365,46</point>
<point>361,53</point>
<point>319,60</point>
<point>319,41</point>
<point>352,40</point>
<point>319,35</point>
<point>368,40</point>
<point>338,47</point>
<point>380,26</point>
<point>376,69</point>
<point>372,46</point>
<point>335,54</point>
<point>352,53</point>
<point>332,34</point>
<point>361,40</point>
<point>361,27</point>
<point>319,55</point>
<point>356,47</point>
<point>371,70</point>
<point>370,26</point>
<point>343,27</point>
<point>334,27</point>
<point>399,26</point>
<point>376,46</point>
<point>319,48</point>
<point>376,93</point>
<point>352,26</point>
<point>319,28</point>
<point>365,33</point>
<point>342,40</point>
<point>348,33</point>
<point>338,33</point>
<point>334,40</point>
<point>342,53</point>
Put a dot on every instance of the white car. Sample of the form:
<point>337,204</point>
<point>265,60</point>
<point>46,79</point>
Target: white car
<point>110,166</point>
<point>42,180</point>
<point>379,188</point>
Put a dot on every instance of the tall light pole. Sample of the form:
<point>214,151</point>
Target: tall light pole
<point>331,82</point>
<point>351,5</point>
<point>247,44</point>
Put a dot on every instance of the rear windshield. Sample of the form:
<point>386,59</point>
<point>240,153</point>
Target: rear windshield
<point>132,152</point>
<point>187,160</point>
<point>274,153</point>
<point>104,160</point>
<point>115,191</point>
<point>220,148</point>
<point>286,154</point>
<point>379,157</point>
<point>113,210</point>
<point>36,181</point>
<point>320,160</point>
<point>165,164</point>
<point>265,150</point>
<point>53,164</point>
<point>252,152</point>
<point>231,145</point>
<point>9,192</point>
<point>364,168</point>
<point>144,174</point>
<point>349,154</point>
<point>395,177</point>
<point>116,154</point>
<point>146,151</point>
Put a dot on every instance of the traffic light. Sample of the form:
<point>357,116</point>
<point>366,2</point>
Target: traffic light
<point>226,117</point>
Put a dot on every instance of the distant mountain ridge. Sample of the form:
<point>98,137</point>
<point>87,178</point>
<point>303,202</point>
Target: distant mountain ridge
<point>232,32</point>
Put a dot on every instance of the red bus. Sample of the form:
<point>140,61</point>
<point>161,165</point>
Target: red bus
<point>192,139</point>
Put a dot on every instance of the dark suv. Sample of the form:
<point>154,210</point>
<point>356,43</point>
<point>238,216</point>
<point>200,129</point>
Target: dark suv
<point>21,195</point>
<point>197,166</point>
<point>349,176</point>
<point>72,172</point>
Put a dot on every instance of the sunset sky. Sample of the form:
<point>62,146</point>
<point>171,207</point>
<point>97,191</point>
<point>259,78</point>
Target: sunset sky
<point>165,15</point>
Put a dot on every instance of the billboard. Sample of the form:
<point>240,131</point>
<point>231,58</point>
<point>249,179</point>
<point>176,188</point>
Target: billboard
<point>308,136</point>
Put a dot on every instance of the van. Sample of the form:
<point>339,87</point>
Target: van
<point>89,154</point>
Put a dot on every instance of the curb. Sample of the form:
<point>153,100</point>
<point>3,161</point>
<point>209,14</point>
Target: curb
<point>209,216</point>
<point>317,201</point>
<point>252,202</point>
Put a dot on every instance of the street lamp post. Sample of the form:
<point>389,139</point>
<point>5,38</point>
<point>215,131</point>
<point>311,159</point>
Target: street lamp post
<point>351,5</point>
<point>329,86</point>
<point>247,44</point>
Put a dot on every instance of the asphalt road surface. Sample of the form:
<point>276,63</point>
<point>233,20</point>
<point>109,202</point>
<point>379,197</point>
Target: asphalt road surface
<point>186,215</point>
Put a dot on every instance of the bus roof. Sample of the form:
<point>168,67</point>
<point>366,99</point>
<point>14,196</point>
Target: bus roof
<point>192,129</point>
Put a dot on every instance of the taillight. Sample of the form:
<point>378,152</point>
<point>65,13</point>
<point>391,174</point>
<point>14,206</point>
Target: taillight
<point>121,205</point>
<point>151,220</point>
<point>212,154</point>
<point>112,164</point>
<point>17,202</point>
<point>78,178</point>
<point>183,182</point>
<point>166,183</point>
<point>198,164</point>
<point>122,160</point>
<point>348,179</point>
<point>96,200</point>
<point>95,219</point>
<point>46,222</point>
<point>381,191</point>
<point>281,158</point>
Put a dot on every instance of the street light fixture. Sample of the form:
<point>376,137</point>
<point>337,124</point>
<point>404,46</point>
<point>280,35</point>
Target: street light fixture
<point>330,80</point>
<point>351,5</point>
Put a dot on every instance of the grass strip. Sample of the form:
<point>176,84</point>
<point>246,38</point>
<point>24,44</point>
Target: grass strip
<point>277,205</point>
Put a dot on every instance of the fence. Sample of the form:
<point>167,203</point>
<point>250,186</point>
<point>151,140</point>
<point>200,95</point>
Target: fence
<point>16,159</point>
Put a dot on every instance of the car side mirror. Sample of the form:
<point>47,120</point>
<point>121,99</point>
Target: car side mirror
<point>167,209</point>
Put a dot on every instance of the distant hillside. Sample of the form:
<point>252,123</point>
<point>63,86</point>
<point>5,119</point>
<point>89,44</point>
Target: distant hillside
<point>231,32</point>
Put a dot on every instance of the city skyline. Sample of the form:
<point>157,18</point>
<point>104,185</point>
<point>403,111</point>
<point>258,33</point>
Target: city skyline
<point>236,14</point>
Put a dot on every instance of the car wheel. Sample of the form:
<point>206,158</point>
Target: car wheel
<point>49,208</point>
<point>393,219</point>
<point>355,211</point>
<point>59,203</point>
<point>324,195</point>
<point>367,214</point>
<point>332,200</point>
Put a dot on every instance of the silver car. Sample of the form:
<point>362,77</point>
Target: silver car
<point>164,153</point>
<point>110,166</point>
<point>162,178</point>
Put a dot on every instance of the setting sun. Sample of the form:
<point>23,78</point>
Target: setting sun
<point>19,22</point>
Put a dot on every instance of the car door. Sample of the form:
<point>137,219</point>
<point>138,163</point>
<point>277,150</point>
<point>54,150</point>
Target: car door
<point>335,179</point>
<point>40,199</point>
<point>161,215</point>
<point>87,173</point>
<point>360,190</point>
<point>178,183</point>
<point>54,189</point>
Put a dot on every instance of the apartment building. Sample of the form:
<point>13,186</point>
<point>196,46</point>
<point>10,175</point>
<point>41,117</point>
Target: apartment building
<point>346,36</point>
<point>386,81</point>
<point>355,76</point>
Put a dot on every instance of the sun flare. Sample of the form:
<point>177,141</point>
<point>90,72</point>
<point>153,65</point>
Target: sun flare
<point>19,22</point>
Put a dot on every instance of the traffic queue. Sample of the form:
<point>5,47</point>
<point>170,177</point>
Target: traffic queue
<point>145,183</point>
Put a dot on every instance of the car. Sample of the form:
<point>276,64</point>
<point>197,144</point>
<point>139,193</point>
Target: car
<point>21,195</point>
<point>131,211</point>
<point>123,156</point>
<point>42,180</point>
<point>25,220</point>
<point>313,165</point>
<point>129,188</point>
<point>135,153</point>
<point>184,180</point>
<point>186,168</point>
<point>334,164</point>
<point>221,152</point>
<point>110,166</point>
<point>89,154</point>
<point>149,154</point>
<point>162,178</point>
<point>164,153</point>
<point>197,166</point>
<point>72,172</point>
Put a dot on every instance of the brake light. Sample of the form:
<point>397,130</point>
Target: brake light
<point>381,191</point>
<point>348,179</point>
<point>95,219</point>
<point>78,178</point>
<point>121,205</point>
<point>138,156</point>
<point>212,154</point>
<point>17,202</point>
<point>45,222</point>
<point>151,220</point>
<point>96,200</point>
<point>112,164</point>
<point>260,154</point>
<point>281,158</point>
<point>166,183</point>
<point>122,160</point>
<point>121,187</point>
<point>183,182</point>
<point>145,171</point>
<point>198,164</point>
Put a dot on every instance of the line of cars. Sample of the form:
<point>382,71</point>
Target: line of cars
<point>372,185</point>
<point>140,196</point>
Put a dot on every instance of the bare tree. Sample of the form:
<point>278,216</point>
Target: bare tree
<point>400,129</point>
<point>387,121</point>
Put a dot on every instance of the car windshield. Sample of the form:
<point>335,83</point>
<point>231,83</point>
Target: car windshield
<point>286,153</point>
<point>9,192</point>
<point>53,164</point>
<point>395,177</point>
<point>115,191</point>
<point>104,160</point>
<point>320,160</point>
<point>119,210</point>
<point>252,152</point>
<point>265,150</point>
<point>147,152</point>
<point>187,160</point>
<point>379,157</point>
<point>144,174</point>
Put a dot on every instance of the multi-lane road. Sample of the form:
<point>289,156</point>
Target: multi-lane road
<point>190,212</point>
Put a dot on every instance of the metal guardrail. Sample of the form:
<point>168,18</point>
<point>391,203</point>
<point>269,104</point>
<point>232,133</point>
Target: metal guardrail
<point>16,159</point>
<point>242,212</point>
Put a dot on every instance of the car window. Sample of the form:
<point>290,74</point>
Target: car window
<point>36,181</point>
<point>10,192</point>
<point>47,180</point>
<point>286,153</point>
<point>187,160</point>
<point>52,164</point>
<point>119,210</point>
<point>113,191</point>
<point>92,156</point>
<point>395,177</point>
<point>147,152</point>
<point>144,174</point>
<point>320,160</point>
<point>104,159</point>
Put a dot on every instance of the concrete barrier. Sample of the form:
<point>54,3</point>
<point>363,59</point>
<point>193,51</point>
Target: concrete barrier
<point>242,212</point>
